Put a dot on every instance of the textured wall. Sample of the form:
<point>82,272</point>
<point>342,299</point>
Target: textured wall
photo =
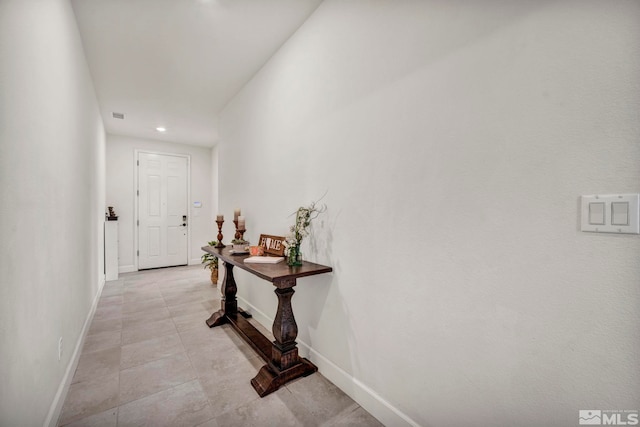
<point>454,140</point>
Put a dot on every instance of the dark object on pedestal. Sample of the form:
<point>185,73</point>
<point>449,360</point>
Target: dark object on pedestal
<point>112,215</point>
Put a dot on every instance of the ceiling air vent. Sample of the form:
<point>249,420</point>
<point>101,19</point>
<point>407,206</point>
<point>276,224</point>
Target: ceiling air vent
<point>118,116</point>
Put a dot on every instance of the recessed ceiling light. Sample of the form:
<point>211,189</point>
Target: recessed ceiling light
<point>161,129</point>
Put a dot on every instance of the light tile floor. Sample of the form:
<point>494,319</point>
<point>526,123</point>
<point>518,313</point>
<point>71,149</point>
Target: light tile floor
<point>150,360</point>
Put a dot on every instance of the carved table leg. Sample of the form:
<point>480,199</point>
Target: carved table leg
<point>228,304</point>
<point>285,363</point>
<point>285,331</point>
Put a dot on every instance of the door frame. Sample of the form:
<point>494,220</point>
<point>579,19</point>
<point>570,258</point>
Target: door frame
<point>136,158</point>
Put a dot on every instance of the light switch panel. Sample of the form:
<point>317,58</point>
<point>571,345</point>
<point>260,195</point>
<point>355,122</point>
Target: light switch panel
<point>611,213</point>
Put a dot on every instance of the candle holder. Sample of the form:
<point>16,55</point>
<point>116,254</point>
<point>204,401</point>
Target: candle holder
<point>220,236</point>
<point>240,232</point>
<point>237,235</point>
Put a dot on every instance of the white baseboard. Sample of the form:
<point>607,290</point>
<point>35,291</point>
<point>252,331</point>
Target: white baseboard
<point>132,268</point>
<point>256,314</point>
<point>127,269</point>
<point>63,389</point>
<point>371,401</point>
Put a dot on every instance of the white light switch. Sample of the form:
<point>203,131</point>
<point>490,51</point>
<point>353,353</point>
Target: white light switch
<point>596,213</point>
<point>611,213</point>
<point>619,213</point>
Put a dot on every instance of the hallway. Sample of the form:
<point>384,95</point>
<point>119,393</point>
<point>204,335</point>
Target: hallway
<point>150,360</point>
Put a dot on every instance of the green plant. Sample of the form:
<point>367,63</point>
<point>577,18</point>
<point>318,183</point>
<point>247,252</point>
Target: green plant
<point>239,242</point>
<point>210,261</point>
<point>292,242</point>
<point>304,216</point>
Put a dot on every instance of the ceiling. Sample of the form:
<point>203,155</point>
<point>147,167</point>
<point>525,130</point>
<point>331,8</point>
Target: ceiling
<point>177,63</point>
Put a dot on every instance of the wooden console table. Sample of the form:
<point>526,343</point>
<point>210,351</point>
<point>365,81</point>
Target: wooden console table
<point>281,355</point>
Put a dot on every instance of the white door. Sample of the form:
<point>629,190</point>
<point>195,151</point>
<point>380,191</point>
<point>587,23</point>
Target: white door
<point>162,210</point>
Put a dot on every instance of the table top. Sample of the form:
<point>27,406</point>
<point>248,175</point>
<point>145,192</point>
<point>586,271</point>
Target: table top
<point>269,272</point>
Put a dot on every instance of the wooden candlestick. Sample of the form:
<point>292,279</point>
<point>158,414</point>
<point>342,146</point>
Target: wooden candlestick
<point>237,235</point>
<point>220,236</point>
<point>240,232</point>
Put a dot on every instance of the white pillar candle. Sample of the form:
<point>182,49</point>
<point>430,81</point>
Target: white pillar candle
<point>241,222</point>
<point>236,214</point>
<point>220,217</point>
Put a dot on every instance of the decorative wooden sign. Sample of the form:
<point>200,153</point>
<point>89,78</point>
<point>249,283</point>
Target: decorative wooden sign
<point>272,244</point>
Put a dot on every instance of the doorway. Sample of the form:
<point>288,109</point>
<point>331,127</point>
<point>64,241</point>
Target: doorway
<point>162,209</point>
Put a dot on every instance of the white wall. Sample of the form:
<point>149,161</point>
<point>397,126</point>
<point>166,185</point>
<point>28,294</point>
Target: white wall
<point>214,188</point>
<point>121,193</point>
<point>468,129</point>
<point>51,199</point>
